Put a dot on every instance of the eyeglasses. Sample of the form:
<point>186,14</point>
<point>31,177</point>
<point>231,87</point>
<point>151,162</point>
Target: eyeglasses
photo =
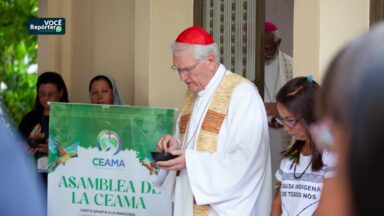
<point>321,133</point>
<point>186,69</point>
<point>291,123</point>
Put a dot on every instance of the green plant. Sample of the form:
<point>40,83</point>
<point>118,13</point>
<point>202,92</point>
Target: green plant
<point>18,53</point>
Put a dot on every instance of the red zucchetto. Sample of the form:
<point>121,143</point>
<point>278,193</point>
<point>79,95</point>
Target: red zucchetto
<point>270,27</point>
<point>196,36</point>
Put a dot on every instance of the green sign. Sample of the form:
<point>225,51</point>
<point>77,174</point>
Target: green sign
<point>99,159</point>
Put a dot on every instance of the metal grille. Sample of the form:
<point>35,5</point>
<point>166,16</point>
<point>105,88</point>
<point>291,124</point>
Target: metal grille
<point>233,26</point>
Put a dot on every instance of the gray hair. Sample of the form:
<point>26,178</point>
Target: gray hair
<point>200,51</point>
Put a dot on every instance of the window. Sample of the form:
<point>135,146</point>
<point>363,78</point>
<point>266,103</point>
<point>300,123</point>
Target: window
<point>238,28</point>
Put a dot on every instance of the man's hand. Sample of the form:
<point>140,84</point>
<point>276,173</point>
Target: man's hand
<point>167,143</point>
<point>171,145</point>
<point>174,164</point>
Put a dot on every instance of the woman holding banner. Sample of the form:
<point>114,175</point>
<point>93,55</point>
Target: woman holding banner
<point>34,127</point>
<point>103,90</point>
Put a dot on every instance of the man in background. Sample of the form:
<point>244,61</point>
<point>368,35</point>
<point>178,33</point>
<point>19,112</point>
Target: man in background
<point>277,71</point>
<point>278,67</point>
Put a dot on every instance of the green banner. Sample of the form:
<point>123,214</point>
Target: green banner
<point>99,159</point>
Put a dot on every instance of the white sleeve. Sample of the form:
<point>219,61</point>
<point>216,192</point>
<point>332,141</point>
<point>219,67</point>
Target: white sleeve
<point>241,165</point>
<point>279,172</point>
<point>330,162</point>
<point>176,133</point>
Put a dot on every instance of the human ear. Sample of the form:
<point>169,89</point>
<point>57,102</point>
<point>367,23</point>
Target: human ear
<point>211,59</point>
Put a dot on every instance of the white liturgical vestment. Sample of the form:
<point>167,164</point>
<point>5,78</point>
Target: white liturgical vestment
<point>237,178</point>
<point>277,72</point>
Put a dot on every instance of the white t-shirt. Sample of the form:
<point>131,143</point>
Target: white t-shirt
<point>300,190</point>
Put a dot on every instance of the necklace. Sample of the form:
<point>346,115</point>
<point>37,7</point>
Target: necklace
<point>294,170</point>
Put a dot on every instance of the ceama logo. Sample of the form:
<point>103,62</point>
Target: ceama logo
<point>108,141</point>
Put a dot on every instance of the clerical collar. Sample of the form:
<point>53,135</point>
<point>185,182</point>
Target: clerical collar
<point>214,82</point>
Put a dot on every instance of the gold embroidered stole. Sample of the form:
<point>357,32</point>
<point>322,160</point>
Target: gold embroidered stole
<point>210,128</point>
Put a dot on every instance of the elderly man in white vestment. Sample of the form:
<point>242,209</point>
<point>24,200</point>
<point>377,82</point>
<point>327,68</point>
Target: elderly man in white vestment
<point>223,164</point>
<point>278,71</point>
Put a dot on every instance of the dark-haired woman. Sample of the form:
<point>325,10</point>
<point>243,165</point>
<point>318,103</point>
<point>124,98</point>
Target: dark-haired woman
<point>303,168</point>
<point>34,126</point>
<point>103,90</point>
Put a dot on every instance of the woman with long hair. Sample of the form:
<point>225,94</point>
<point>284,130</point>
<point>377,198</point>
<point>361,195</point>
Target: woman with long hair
<point>34,127</point>
<point>303,167</point>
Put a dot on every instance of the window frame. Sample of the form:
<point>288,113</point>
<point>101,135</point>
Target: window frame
<point>260,19</point>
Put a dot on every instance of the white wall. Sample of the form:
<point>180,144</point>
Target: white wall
<point>54,51</point>
<point>157,24</point>
<point>340,24</point>
<point>280,12</point>
<point>127,39</point>
<point>103,44</point>
<point>98,39</point>
<point>306,38</point>
<point>168,21</point>
<point>321,28</point>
